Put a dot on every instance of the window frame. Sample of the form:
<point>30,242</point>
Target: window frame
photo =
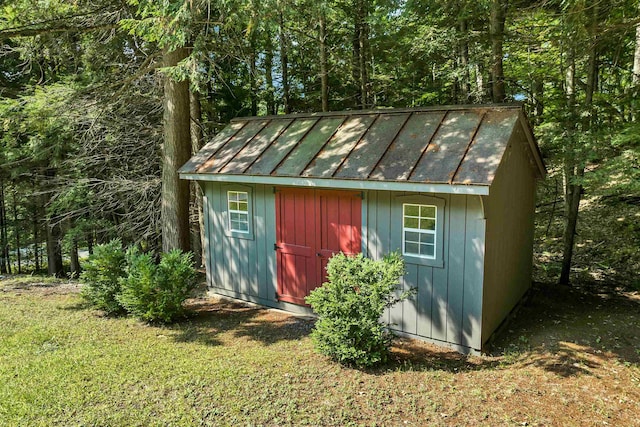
<point>227,211</point>
<point>237,211</point>
<point>397,228</point>
<point>419,230</point>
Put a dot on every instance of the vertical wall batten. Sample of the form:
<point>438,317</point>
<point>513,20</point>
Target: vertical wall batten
<point>208,256</point>
<point>383,222</point>
<point>409,306</point>
<point>473,274</point>
<point>424,301</point>
<point>440,277</point>
<point>455,288</point>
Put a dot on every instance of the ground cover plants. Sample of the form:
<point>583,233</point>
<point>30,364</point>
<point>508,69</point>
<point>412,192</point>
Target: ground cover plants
<point>569,358</point>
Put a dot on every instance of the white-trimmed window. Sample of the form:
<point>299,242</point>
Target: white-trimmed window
<point>238,209</point>
<point>419,225</point>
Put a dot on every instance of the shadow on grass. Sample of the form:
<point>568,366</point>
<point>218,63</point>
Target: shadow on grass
<point>572,332</point>
<point>566,332</point>
<point>208,318</point>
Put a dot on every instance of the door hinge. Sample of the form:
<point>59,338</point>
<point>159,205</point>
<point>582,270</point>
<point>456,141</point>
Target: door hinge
<point>276,247</point>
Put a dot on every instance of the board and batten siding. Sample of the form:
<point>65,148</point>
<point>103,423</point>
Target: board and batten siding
<point>447,307</point>
<point>509,210</point>
<point>240,267</point>
<point>237,267</point>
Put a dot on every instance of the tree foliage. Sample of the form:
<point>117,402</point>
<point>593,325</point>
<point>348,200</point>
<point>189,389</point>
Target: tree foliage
<point>81,108</point>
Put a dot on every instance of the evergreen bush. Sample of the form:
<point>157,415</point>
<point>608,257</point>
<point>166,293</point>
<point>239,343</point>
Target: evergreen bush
<point>101,277</point>
<point>156,292</point>
<point>349,307</point>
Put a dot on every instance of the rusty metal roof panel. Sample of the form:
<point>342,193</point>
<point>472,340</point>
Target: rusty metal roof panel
<point>281,147</point>
<point>237,142</point>
<point>261,141</point>
<point>338,147</point>
<point>449,145</point>
<point>307,149</point>
<point>486,150</point>
<point>404,152</point>
<point>195,163</point>
<point>372,146</point>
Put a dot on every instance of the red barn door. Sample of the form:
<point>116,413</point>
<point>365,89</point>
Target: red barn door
<point>312,225</point>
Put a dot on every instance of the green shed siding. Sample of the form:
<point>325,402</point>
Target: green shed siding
<point>509,211</point>
<point>241,267</point>
<point>447,306</point>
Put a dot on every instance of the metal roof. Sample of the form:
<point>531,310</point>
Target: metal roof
<point>458,145</point>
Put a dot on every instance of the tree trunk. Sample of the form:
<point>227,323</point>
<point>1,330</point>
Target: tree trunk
<point>75,260</point>
<point>36,234</point>
<point>360,52</point>
<point>480,88</point>
<point>574,166</point>
<point>176,152</point>
<point>268,75</point>
<point>284,60</point>
<point>537,92</point>
<point>636,58</point>
<point>465,84</point>
<point>198,237</point>
<point>252,74</point>
<point>89,237</point>
<point>324,72</point>
<point>364,54</point>
<point>54,249</point>
<point>4,261</point>
<point>16,227</point>
<point>496,34</point>
<point>355,72</point>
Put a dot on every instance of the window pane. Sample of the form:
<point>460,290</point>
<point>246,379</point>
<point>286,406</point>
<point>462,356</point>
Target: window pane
<point>428,211</point>
<point>427,224</point>
<point>411,210</point>
<point>411,248</point>
<point>426,249</point>
<point>242,206</point>
<point>411,222</point>
<point>427,238</point>
<point>242,226</point>
<point>242,196</point>
<point>412,236</point>
<point>233,206</point>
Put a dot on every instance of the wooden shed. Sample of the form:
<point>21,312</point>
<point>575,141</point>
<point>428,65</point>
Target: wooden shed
<point>451,188</point>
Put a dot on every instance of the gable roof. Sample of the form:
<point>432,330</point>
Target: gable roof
<point>446,146</point>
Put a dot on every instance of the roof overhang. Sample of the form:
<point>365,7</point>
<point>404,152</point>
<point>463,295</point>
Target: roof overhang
<point>346,184</point>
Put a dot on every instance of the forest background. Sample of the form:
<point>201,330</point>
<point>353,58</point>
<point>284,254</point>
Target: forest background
<point>101,101</point>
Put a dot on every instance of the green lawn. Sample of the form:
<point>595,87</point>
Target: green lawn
<point>566,360</point>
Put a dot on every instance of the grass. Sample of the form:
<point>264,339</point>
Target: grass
<point>567,359</point>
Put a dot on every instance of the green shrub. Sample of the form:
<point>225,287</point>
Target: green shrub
<point>101,276</point>
<point>156,292</point>
<point>349,307</point>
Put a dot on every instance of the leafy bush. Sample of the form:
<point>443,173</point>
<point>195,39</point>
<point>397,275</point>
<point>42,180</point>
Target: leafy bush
<point>350,306</point>
<point>156,292</point>
<point>101,276</point>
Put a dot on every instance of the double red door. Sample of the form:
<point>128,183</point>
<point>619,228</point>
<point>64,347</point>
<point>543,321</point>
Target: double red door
<point>312,225</point>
